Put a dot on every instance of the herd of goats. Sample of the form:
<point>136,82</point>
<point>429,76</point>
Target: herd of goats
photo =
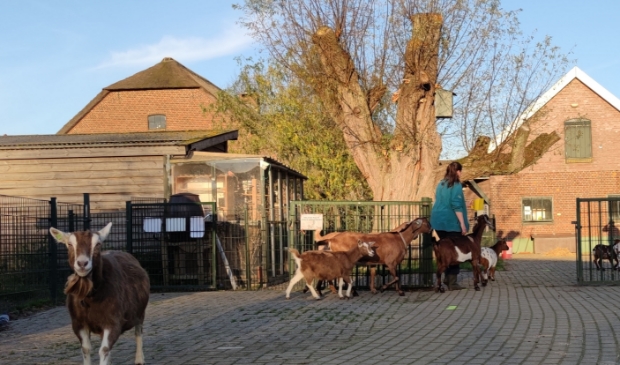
<point>108,291</point>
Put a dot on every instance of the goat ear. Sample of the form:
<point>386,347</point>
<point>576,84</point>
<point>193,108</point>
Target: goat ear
<point>60,236</point>
<point>103,233</point>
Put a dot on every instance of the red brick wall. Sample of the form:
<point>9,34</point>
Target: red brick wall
<point>552,176</point>
<point>128,111</point>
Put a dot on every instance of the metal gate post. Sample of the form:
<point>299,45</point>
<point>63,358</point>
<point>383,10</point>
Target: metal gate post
<point>53,252</point>
<point>129,226</point>
<point>577,224</point>
<point>86,211</point>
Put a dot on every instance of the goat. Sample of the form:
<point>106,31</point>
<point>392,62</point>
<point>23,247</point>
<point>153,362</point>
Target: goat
<point>107,293</point>
<point>326,265</point>
<point>488,260</point>
<point>454,250</point>
<point>610,253</point>
<point>390,247</point>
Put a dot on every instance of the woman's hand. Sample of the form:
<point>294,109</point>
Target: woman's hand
<point>463,229</point>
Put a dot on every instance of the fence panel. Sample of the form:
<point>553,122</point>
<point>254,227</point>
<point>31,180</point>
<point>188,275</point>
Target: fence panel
<point>416,270</point>
<point>33,267</point>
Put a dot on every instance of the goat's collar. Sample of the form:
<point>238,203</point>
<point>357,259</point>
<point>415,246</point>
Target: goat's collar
<point>403,238</point>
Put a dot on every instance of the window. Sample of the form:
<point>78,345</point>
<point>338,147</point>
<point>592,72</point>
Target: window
<point>537,209</point>
<point>578,140</point>
<point>157,121</point>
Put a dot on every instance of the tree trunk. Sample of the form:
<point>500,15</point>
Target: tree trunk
<point>405,166</point>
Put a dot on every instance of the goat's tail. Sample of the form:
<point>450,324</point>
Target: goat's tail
<point>296,256</point>
<point>295,252</point>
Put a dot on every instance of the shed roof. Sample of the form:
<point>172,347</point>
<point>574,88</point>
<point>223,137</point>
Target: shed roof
<point>192,140</point>
<point>168,74</point>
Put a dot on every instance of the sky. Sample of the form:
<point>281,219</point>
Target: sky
<point>56,56</point>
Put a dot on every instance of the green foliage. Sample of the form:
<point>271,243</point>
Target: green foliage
<point>279,116</point>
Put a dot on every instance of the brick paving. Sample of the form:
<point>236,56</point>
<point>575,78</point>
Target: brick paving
<point>533,314</point>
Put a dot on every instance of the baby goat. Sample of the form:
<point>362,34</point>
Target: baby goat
<point>606,252</point>
<point>488,259</point>
<point>328,265</point>
<point>107,294</point>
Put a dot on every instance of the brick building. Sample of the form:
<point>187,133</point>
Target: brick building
<point>167,96</point>
<point>535,207</point>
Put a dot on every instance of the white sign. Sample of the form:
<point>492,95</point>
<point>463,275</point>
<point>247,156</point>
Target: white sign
<point>311,222</point>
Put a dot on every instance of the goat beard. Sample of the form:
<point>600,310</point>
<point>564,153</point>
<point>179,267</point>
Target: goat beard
<point>79,286</point>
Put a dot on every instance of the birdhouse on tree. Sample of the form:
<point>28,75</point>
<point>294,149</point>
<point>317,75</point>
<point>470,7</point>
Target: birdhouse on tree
<point>443,103</point>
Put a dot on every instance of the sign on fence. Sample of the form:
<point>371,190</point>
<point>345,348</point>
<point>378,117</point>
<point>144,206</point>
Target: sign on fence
<point>311,222</point>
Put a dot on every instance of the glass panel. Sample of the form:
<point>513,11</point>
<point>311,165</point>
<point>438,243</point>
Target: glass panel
<point>157,121</point>
<point>537,210</point>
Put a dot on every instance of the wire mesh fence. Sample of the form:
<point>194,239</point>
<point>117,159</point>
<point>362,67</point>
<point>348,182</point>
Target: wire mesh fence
<point>416,269</point>
<point>32,267</point>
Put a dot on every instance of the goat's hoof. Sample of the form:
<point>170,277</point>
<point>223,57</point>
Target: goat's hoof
<point>442,290</point>
<point>382,290</point>
<point>484,283</point>
<point>355,294</point>
<point>401,293</point>
<point>288,298</point>
<point>477,288</point>
<point>374,291</point>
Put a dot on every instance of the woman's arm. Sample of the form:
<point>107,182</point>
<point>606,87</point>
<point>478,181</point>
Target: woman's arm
<point>459,215</point>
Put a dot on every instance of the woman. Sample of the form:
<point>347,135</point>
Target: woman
<point>449,214</point>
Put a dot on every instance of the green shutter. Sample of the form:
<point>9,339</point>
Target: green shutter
<point>578,139</point>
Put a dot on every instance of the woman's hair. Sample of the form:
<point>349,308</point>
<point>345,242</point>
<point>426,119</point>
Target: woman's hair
<point>451,173</point>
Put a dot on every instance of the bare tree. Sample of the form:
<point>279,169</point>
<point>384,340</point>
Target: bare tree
<point>375,66</point>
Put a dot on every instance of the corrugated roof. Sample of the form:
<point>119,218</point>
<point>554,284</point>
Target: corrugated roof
<point>159,138</point>
<point>168,74</point>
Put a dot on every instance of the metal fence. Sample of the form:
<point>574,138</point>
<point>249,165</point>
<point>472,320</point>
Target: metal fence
<point>33,268</point>
<point>597,224</point>
<point>416,270</point>
<point>184,246</point>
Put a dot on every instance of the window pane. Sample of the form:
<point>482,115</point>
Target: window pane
<point>537,210</point>
<point>157,121</point>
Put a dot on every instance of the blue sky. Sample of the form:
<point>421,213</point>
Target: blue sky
<point>55,56</point>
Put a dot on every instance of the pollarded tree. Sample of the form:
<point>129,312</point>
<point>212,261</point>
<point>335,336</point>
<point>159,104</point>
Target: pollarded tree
<point>352,53</point>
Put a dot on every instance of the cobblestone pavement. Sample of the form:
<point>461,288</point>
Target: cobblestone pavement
<point>533,314</point>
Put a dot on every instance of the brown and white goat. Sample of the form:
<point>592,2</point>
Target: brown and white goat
<point>327,265</point>
<point>390,247</point>
<point>605,252</point>
<point>107,293</point>
<point>454,250</point>
<point>488,260</point>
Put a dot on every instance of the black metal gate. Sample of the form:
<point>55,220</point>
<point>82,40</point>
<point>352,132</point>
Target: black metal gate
<point>597,224</point>
<point>416,270</point>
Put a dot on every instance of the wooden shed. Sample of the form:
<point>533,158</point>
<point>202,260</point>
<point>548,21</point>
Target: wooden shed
<point>112,168</point>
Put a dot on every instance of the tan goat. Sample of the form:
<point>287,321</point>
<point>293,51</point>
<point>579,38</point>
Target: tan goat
<point>390,247</point>
<point>326,265</point>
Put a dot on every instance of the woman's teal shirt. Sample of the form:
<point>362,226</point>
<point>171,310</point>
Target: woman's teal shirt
<point>448,200</point>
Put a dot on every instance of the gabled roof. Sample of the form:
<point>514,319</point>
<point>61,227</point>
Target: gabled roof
<point>575,73</point>
<point>192,140</point>
<point>168,74</point>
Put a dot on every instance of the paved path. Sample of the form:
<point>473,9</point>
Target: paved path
<point>532,314</point>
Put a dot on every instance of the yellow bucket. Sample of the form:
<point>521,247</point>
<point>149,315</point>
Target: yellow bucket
<point>478,204</point>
